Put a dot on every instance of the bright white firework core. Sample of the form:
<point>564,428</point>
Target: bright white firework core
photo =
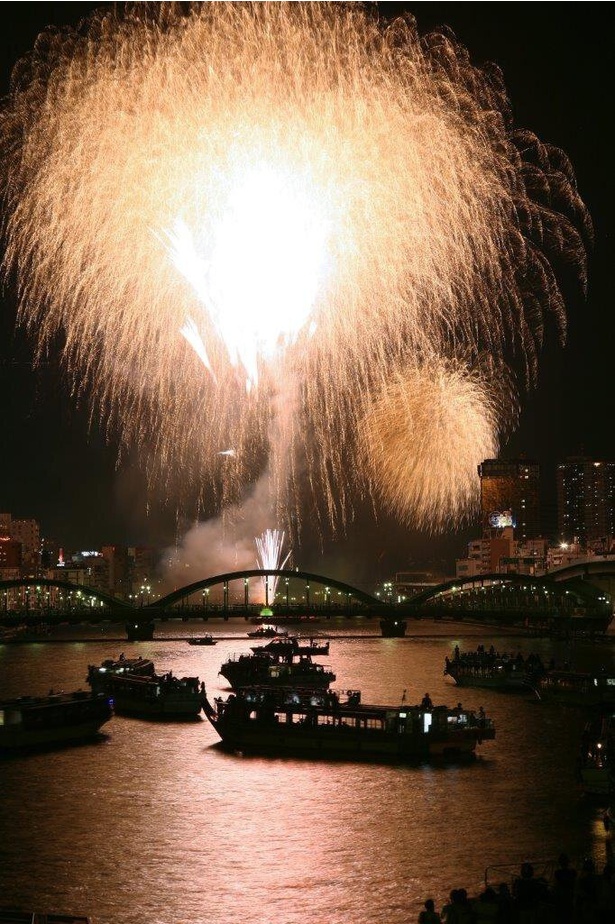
<point>258,272</point>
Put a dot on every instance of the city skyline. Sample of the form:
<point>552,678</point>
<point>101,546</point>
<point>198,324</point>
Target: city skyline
<point>62,470</point>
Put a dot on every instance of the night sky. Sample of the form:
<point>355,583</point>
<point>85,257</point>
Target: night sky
<point>58,468</point>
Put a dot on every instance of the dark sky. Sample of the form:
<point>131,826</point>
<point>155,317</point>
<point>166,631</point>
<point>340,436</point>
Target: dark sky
<point>556,59</point>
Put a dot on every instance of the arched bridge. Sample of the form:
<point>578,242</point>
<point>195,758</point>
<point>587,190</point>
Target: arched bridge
<point>540,601</point>
<point>550,583</point>
<point>286,575</point>
<point>79,590</point>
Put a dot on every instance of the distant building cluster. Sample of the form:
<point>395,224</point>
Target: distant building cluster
<point>125,572</point>
<point>512,538</point>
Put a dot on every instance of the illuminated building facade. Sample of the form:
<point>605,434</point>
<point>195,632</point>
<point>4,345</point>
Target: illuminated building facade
<point>511,485</point>
<point>585,500</point>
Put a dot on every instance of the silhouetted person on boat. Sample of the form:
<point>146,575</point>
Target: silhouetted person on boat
<point>486,908</point>
<point>429,915</point>
<point>586,894</point>
<point>426,702</point>
<point>606,894</point>
<point>564,880</point>
<point>528,894</point>
<point>459,908</point>
<point>505,904</point>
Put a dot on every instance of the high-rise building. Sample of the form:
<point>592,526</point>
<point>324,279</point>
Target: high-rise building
<point>27,533</point>
<point>119,563</point>
<point>511,485</point>
<point>10,558</point>
<point>586,500</point>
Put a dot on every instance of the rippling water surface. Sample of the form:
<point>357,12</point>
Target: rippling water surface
<point>155,825</point>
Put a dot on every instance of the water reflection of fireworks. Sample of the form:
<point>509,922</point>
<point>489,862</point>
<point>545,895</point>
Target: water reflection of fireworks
<point>272,227</point>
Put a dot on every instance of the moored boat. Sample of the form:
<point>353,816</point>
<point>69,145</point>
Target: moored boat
<point>148,695</point>
<point>58,718</point>
<point>338,725</point>
<point>266,669</point>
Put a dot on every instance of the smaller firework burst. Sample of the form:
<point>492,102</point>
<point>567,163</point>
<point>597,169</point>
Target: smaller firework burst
<point>423,438</point>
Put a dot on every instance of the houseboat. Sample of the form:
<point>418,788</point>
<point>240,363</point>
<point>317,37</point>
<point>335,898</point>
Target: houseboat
<point>59,718</point>
<point>336,725</point>
<point>576,688</point>
<point>494,670</point>
<point>293,645</point>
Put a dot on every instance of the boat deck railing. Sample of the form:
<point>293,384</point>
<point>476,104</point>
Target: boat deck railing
<point>508,872</point>
<point>8,916</point>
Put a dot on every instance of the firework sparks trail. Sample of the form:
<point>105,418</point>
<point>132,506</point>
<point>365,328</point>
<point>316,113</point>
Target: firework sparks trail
<point>287,229</point>
<point>269,549</point>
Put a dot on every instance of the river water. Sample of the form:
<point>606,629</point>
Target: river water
<point>154,824</point>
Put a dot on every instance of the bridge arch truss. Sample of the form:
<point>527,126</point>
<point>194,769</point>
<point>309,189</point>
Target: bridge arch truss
<point>281,577</point>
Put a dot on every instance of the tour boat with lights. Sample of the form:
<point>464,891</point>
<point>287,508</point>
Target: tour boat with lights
<point>143,693</point>
<point>331,724</point>
<point>293,645</point>
<point>58,718</point>
<point>267,669</point>
<point>267,631</point>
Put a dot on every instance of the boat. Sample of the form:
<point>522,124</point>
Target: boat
<point>58,718</point>
<point>139,630</point>
<point>267,631</point>
<point>596,764</point>
<point>333,724</point>
<point>147,694</point>
<point>576,688</point>
<point>293,645</point>
<point>266,669</point>
<point>202,640</point>
<point>392,627</point>
<point>142,667</point>
<point>492,670</point>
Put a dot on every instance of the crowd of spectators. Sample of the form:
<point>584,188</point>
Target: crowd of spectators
<point>567,897</point>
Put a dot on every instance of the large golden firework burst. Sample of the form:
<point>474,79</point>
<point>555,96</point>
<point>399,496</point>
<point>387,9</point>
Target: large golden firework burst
<point>259,232</point>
